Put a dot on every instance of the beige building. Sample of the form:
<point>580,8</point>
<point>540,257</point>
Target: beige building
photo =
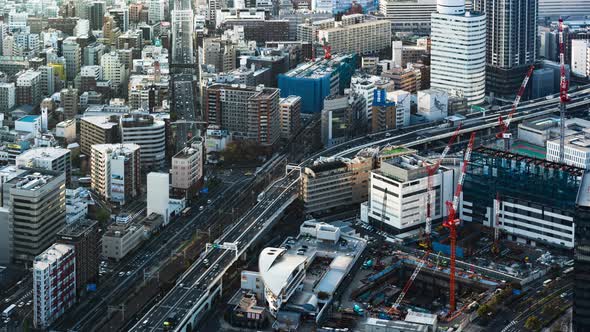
<point>187,167</point>
<point>120,239</point>
<point>335,183</point>
<point>98,130</point>
<point>355,35</point>
<point>290,109</point>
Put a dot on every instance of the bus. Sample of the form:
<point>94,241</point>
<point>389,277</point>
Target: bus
<point>547,282</point>
<point>8,311</point>
<point>568,270</point>
<point>186,211</point>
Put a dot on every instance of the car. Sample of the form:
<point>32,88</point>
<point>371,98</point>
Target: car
<point>201,208</point>
<point>387,134</point>
<point>206,262</point>
<point>208,201</point>
<point>20,305</point>
<point>29,302</point>
<point>128,273</point>
<point>121,274</point>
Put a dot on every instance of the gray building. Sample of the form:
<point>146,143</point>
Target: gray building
<point>36,212</point>
<point>542,83</point>
<point>511,42</point>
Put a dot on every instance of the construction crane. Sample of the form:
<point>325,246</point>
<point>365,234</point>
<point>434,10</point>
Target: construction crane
<point>327,49</point>
<point>505,124</point>
<point>496,245</point>
<point>452,221</point>
<point>563,97</point>
<point>432,169</point>
<point>394,308</point>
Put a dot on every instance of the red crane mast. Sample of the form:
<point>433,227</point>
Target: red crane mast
<point>452,221</point>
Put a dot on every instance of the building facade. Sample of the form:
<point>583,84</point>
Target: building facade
<point>290,109</point>
<point>408,15</point>
<point>115,171</point>
<point>187,168</point>
<point>511,42</point>
<point>458,54</point>
<point>54,284</point>
<point>150,134</point>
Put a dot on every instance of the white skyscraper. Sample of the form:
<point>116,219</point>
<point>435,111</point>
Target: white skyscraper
<point>458,54</point>
<point>156,11</point>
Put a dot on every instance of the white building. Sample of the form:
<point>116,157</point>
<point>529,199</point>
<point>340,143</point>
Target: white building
<point>54,284</point>
<point>158,194</point>
<point>28,124</point>
<point>150,134</point>
<point>398,194</point>
<point>7,96</point>
<point>581,57</point>
<point>408,15</point>
<point>560,8</point>
<point>458,51</point>
<point>226,14</point>
<point>156,11</point>
<point>187,167</point>
<point>66,130</point>
<point>73,55</point>
<point>577,149</point>
<point>113,69</point>
<point>77,201</point>
<point>433,104</point>
<point>47,158</point>
<point>402,101</point>
<point>290,109</point>
<point>115,171</point>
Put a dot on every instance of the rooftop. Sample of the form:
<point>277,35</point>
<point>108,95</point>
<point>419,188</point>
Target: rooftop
<point>51,255</point>
<point>78,228</point>
<point>102,121</point>
<point>42,153</point>
<point>29,118</point>
<point>32,180</point>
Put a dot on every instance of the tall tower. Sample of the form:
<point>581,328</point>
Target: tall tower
<point>458,51</point>
<point>511,42</point>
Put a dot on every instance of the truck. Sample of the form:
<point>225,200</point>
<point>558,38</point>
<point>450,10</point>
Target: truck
<point>185,212</point>
<point>8,311</point>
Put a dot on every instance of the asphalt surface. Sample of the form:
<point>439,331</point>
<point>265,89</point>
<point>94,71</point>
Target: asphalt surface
<point>194,285</point>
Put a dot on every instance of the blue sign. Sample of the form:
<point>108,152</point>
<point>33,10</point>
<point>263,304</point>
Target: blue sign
<point>205,190</point>
<point>91,287</point>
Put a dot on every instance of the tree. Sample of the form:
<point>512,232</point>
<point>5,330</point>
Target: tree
<point>103,215</point>
<point>483,310</point>
<point>532,323</point>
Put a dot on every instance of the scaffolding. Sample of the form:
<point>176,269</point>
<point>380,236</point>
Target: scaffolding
<point>519,178</point>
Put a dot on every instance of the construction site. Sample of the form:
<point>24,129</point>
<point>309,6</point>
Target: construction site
<point>507,237</point>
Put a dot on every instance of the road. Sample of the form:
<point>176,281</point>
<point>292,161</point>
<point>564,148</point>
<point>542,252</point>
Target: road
<point>194,285</point>
<point>153,253</point>
<point>417,134</point>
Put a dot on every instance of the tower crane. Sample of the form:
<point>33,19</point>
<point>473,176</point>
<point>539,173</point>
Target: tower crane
<point>432,169</point>
<point>504,124</point>
<point>421,263</point>
<point>452,221</point>
<point>563,97</point>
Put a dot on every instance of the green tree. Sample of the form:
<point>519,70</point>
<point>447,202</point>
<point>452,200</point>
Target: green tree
<point>483,310</point>
<point>533,323</point>
<point>103,215</point>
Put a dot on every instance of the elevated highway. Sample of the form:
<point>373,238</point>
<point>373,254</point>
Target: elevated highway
<point>201,284</point>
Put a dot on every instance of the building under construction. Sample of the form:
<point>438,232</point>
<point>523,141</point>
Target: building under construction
<point>530,200</point>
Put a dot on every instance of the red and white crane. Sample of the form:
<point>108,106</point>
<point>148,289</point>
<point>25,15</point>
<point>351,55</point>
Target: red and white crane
<point>505,124</point>
<point>563,88</point>
<point>432,169</point>
<point>452,221</point>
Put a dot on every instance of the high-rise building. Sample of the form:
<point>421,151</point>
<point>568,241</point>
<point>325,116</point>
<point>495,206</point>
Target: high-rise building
<point>97,10</point>
<point>156,11</point>
<point>54,284</point>
<point>398,195</point>
<point>121,17</point>
<point>28,88</point>
<point>47,158</point>
<point>47,80</point>
<point>458,51</point>
<point>290,108</point>
<point>69,102</point>
<point>83,236</point>
<point>559,8</point>
<point>37,211</point>
<point>250,113</point>
<point>114,70</point>
<point>354,34</point>
<point>187,168</point>
<point>98,130</point>
<point>580,57</point>
<point>150,134</point>
<point>93,54</point>
<point>7,96</point>
<point>73,56</point>
<point>581,311</point>
<point>115,171</point>
<point>511,42</point>
<point>408,15</point>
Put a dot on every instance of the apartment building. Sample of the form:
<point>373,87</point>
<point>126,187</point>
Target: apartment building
<point>7,96</point>
<point>120,239</point>
<point>115,171</point>
<point>54,284</point>
<point>98,130</point>
<point>150,134</point>
<point>408,15</point>
<point>187,167</point>
<point>290,109</point>
<point>47,158</point>
<point>354,34</point>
